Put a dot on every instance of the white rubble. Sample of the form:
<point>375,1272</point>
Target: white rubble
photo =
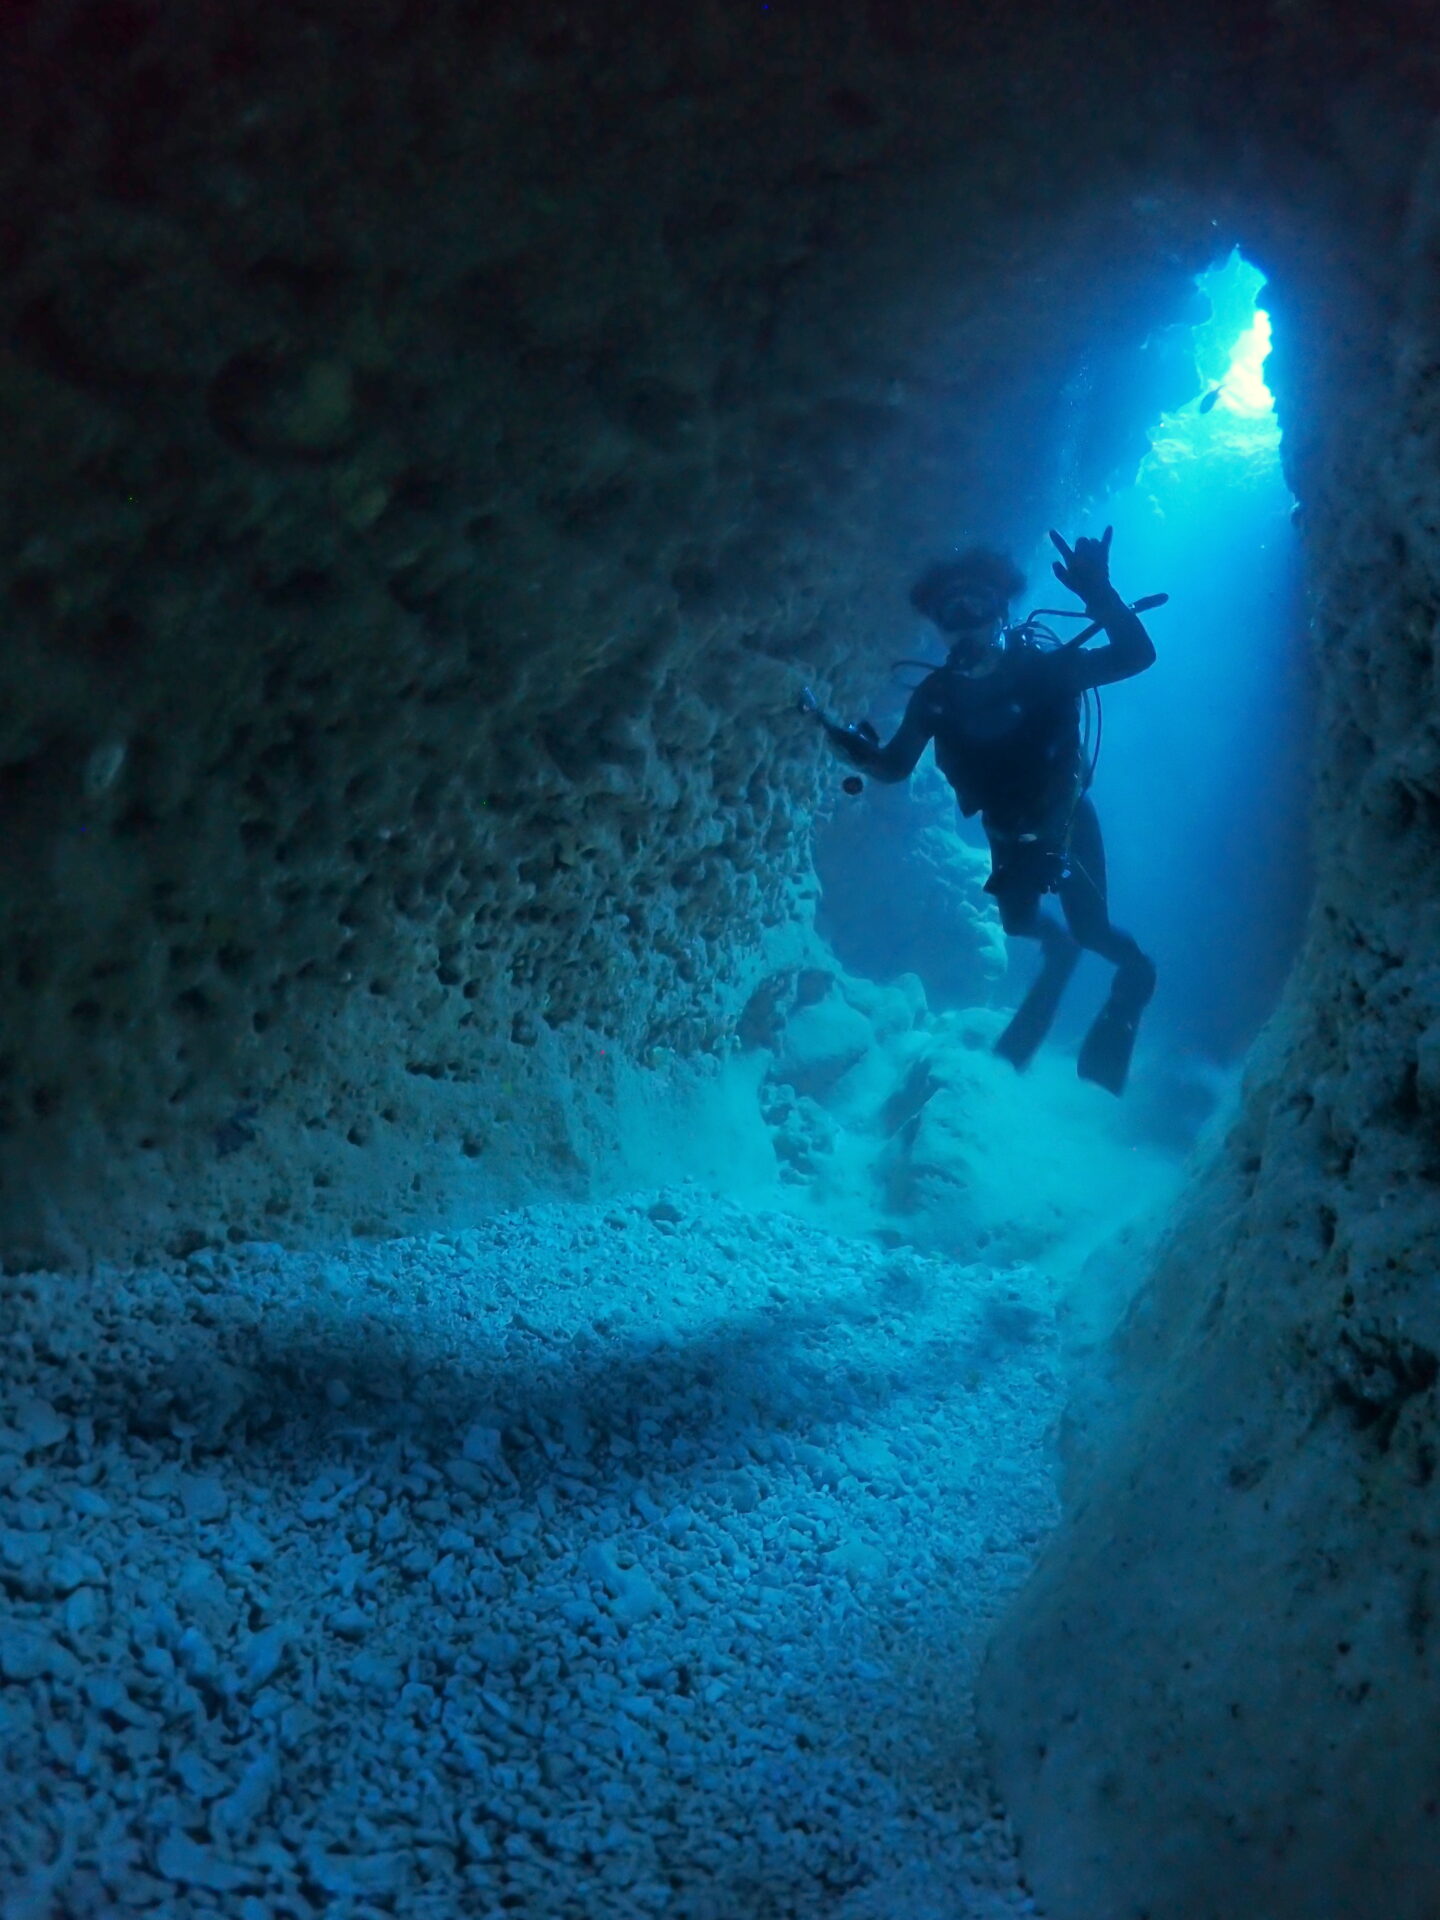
<point>640,1567</point>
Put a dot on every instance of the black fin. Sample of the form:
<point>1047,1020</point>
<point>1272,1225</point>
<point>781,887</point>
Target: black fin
<point>1105,1054</point>
<point>1031,1020</point>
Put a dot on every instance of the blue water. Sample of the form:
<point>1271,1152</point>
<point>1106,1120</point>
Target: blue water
<point>1202,786</point>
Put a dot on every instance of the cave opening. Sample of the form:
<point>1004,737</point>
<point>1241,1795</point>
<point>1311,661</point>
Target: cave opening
<point>1170,436</point>
<point>1204,777</point>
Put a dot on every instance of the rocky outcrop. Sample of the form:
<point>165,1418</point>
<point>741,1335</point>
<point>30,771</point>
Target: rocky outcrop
<point>901,889</point>
<point>897,1121</point>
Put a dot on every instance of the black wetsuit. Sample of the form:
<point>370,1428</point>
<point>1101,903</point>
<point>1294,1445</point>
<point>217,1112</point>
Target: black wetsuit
<point>1007,738</point>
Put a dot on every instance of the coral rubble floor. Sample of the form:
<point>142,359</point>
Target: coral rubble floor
<point>597,1561</point>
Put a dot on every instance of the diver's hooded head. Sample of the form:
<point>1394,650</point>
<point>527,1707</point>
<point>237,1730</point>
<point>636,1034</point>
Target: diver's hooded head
<point>968,597</point>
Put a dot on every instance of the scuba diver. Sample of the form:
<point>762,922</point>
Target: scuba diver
<point>1004,712</point>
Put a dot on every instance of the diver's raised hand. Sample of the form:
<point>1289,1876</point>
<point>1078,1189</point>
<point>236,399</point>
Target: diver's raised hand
<point>1085,567</point>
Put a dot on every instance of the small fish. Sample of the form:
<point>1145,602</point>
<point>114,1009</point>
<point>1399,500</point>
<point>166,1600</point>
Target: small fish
<point>852,783</point>
<point>1210,398</point>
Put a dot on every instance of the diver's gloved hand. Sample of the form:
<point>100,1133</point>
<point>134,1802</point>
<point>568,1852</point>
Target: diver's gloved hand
<point>1085,567</point>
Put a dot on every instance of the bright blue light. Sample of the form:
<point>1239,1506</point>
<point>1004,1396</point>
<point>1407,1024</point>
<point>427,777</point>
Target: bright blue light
<point>1201,786</point>
<point>1239,424</point>
<point>1244,389</point>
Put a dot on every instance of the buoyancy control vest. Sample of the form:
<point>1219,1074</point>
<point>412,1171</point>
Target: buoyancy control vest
<point>1008,739</point>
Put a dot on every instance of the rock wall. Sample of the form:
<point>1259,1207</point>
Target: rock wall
<point>902,889</point>
<point>433,449</point>
<point>1218,1691</point>
<point>433,446</point>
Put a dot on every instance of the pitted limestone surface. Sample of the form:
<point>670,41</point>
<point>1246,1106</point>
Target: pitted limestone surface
<point>434,452</point>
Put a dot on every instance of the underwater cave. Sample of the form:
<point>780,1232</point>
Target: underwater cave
<point>552,1364</point>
